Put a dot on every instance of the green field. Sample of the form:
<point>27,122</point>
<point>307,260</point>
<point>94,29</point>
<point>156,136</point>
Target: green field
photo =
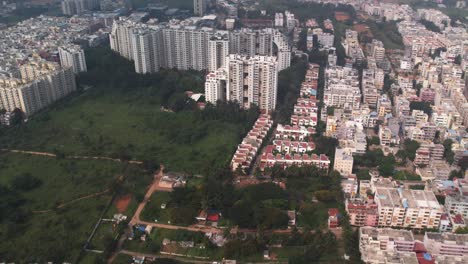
<point>153,210</point>
<point>61,232</point>
<point>127,122</point>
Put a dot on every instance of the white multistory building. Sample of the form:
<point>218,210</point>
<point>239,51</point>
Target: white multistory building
<point>218,48</point>
<point>246,80</point>
<point>41,84</point>
<point>181,46</point>
<point>342,88</point>
<point>199,7</point>
<point>408,208</point>
<point>72,7</point>
<point>73,56</point>
<point>343,162</point>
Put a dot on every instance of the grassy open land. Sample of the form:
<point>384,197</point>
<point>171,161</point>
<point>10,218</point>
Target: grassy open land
<point>31,184</point>
<point>121,119</point>
<point>153,210</point>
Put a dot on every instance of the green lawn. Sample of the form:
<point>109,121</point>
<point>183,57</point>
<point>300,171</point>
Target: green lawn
<point>154,211</point>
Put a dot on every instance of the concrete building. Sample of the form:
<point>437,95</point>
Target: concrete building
<point>73,7</point>
<point>386,245</point>
<point>408,208</point>
<point>218,48</point>
<point>41,84</point>
<point>146,56</point>
<point>446,243</point>
<point>343,162</point>
<point>185,46</point>
<point>248,80</point>
<point>199,7</point>
<point>73,56</point>
<point>458,204</point>
<point>362,212</point>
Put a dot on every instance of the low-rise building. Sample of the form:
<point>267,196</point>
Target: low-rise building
<point>362,212</point>
<point>446,243</point>
<point>343,162</point>
<point>385,245</point>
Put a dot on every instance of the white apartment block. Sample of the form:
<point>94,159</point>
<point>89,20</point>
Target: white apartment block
<point>343,162</point>
<point>446,243</point>
<point>408,208</point>
<point>42,83</point>
<point>218,48</point>
<point>185,47</point>
<point>199,7</point>
<point>73,56</point>
<point>279,20</point>
<point>342,88</point>
<point>72,7</point>
<point>248,80</point>
<point>146,56</point>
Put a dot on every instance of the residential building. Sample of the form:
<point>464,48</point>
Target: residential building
<point>41,84</point>
<point>247,150</point>
<point>73,7</point>
<point>199,7</point>
<point>343,162</point>
<point>408,208</point>
<point>218,48</point>
<point>457,204</point>
<point>385,245</point>
<point>446,243</point>
<point>362,212</point>
<point>249,80</point>
<point>73,56</point>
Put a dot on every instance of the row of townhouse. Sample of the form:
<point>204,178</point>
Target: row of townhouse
<point>268,159</point>
<point>247,150</point>
<point>292,144</point>
<point>288,146</point>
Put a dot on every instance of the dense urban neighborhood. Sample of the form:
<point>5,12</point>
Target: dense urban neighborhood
<point>234,131</point>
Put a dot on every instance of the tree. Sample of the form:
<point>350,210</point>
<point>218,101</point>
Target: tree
<point>25,182</point>
<point>324,196</point>
<point>456,174</point>
<point>363,175</point>
<point>462,230</point>
<point>411,146</point>
<point>375,140</point>
<point>448,153</point>
<point>388,166</point>
<point>424,106</point>
<point>17,117</point>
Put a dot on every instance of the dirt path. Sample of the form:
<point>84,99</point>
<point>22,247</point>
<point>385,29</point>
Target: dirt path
<point>49,154</point>
<point>72,201</point>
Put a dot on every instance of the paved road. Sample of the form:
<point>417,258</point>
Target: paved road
<point>138,254</point>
